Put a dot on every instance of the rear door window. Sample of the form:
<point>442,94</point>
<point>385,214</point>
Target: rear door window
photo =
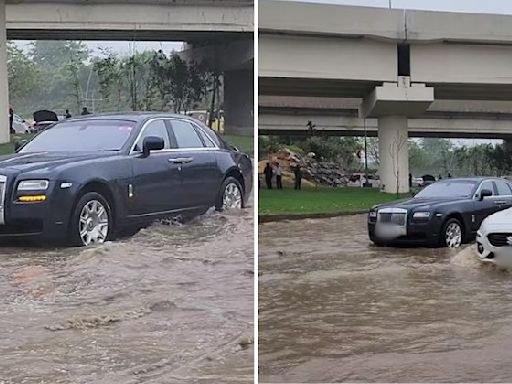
<point>503,188</point>
<point>185,135</point>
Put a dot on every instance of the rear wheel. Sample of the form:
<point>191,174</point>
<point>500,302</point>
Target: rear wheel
<point>452,234</point>
<point>230,195</point>
<point>91,222</point>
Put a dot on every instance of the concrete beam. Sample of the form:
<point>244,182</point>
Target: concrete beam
<point>301,57</point>
<point>337,125</point>
<point>401,98</point>
<point>108,20</point>
<point>397,25</point>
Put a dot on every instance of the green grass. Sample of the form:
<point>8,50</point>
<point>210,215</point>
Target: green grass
<point>8,148</point>
<point>321,200</point>
<point>243,143</point>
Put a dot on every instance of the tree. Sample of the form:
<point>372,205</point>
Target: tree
<point>22,73</point>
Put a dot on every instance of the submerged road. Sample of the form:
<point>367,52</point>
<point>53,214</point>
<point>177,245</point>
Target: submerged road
<point>174,303</point>
<point>334,308</point>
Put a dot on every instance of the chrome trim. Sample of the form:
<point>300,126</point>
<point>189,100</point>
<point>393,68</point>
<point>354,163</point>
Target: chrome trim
<point>3,181</point>
<point>166,212</point>
<point>392,210</point>
<point>132,150</point>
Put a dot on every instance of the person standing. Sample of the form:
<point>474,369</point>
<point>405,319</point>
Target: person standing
<point>11,119</point>
<point>67,115</point>
<point>298,176</point>
<point>279,176</point>
<point>268,175</point>
<point>85,111</point>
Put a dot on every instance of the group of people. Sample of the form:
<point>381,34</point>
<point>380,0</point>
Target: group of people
<point>276,169</point>
<point>67,115</point>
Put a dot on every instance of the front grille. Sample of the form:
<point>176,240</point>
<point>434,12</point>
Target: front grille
<point>3,183</point>
<point>392,218</point>
<point>500,239</point>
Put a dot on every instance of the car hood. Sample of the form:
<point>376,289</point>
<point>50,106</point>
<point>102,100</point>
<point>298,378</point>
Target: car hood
<point>26,162</point>
<point>419,202</point>
<point>500,218</point>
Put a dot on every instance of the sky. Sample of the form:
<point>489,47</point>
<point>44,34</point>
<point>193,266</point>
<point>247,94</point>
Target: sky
<point>473,6</point>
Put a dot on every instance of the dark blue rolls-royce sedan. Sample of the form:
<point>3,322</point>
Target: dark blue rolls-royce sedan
<point>84,180</point>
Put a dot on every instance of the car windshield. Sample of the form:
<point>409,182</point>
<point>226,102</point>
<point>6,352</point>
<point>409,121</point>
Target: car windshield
<point>455,188</point>
<point>86,135</point>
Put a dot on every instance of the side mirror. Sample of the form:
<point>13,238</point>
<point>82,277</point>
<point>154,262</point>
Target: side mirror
<point>152,143</point>
<point>485,193</point>
<point>18,144</point>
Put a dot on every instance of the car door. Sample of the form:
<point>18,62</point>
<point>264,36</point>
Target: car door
<point>504,194</point>
<point>487,206</point>
<point>195,154</point>
<point>156,181</point>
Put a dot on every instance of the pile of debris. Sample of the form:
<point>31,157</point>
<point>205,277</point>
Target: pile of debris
<point>326,173</point>
<point>317,172</point>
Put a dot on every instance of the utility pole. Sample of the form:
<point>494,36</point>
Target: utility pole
<point>389,2</point>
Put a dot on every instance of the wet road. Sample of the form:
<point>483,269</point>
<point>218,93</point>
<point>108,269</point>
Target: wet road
<point>173,304</point>
<point>333,308</point>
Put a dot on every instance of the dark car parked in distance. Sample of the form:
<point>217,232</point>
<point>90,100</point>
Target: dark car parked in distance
<point>445,213</point>
<point>85,179</point>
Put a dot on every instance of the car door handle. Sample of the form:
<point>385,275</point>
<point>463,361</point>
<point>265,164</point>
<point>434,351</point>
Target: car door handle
<point>181,160</point>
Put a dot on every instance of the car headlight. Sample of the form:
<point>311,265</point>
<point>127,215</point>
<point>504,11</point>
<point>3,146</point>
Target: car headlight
<point>33,185</point>
<point>373,214</point>
<point>479,234</point>
<point>421,215</point>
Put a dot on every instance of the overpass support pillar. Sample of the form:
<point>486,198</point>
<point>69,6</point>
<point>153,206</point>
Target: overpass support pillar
<point>239,102</point>
<point>392,104</point>
<point>4,83</point>
<point>393,154</point>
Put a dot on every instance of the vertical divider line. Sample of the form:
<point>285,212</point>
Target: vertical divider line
<point>255,190</point>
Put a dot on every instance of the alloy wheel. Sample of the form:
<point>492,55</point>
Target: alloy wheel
<point>232,198</point>
<point>453,235</point>
<point>93,224</point>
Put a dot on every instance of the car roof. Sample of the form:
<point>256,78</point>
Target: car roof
<point>472,179</point>
<point>133,116</point>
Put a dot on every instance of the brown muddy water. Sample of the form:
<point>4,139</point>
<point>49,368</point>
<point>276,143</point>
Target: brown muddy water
<point>333,308</point>
<point>173,304</point>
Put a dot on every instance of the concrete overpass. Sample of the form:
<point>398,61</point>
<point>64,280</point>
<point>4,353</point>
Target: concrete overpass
<point>396,62</point>
<point>217,23</point>
<point>340,117</point>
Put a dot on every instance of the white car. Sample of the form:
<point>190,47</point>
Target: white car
<point>494,239</point>
<point>19,125</point>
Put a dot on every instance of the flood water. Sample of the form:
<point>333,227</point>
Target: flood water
<point>173,304</point>
<point>333,308</point>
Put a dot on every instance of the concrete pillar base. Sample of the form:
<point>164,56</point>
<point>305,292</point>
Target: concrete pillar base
<point>239,102</point>
<point>393,154</point>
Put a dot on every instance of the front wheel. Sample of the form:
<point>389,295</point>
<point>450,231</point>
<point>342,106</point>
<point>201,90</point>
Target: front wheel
<point>91,222</point>
<point>452,234</point>
<point>230,195</point>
